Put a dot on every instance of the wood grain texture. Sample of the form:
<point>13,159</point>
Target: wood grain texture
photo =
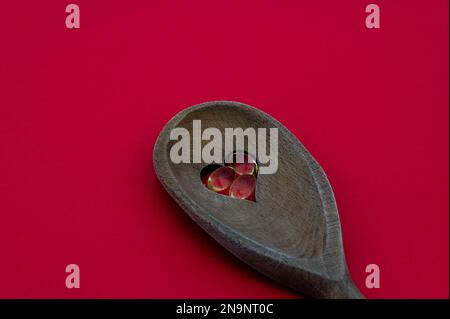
<point>291,233</point>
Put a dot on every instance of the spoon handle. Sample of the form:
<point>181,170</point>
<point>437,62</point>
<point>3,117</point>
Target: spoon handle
<point>344,289</point>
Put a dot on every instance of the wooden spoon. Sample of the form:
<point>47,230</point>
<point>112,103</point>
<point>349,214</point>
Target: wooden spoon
<point>291,233</point>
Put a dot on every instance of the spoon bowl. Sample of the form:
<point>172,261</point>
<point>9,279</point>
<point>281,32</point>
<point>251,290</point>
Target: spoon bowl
<point>291,233</point>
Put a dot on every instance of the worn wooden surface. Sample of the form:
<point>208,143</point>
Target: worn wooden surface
<point>291,233</point>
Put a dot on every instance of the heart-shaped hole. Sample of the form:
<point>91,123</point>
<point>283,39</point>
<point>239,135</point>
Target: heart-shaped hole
<point>237,178</point>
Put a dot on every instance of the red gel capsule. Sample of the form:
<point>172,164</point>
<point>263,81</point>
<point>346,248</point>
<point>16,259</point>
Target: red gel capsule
<point>244,168</point>
<point>244,164</point>
<point>221,179</point>
<point>243,187</point>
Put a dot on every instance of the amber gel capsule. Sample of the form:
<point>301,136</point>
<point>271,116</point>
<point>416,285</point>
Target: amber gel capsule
<point>221,179</point>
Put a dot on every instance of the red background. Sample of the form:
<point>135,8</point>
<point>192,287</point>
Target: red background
<point>80,111</point>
